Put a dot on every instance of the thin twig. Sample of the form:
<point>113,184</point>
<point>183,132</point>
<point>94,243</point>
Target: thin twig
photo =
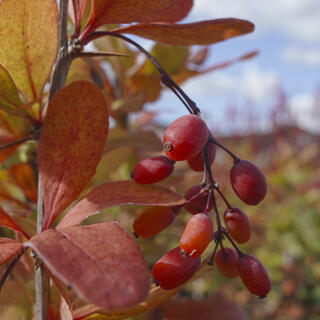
<point>14,143</point>
<point>100,54</point>
<point>58,79</point>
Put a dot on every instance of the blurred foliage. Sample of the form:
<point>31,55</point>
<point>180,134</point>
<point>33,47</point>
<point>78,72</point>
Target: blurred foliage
<point>286,225</point>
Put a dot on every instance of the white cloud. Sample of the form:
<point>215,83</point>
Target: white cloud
<point>308,57</point>
<point>253,83</point>
<point>306,112</point>
<point>297,18</point>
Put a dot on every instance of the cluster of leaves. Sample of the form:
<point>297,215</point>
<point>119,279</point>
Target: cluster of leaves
<point>100,262</point>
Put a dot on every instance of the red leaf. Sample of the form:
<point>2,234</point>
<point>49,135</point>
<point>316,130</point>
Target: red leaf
<point>7,221</point>
<point>8,249</point>
<point>202,33</point>
<point>127,11</point>
<point>116,193</point>
<point>102,262</point>
<point>71,144</point>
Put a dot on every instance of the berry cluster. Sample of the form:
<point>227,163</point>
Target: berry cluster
<point>188,138</point>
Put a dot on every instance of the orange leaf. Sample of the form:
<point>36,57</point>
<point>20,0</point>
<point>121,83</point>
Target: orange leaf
<point>202,33</point>
<point>8,249</point>
<point>7,221</point>
<point>101,262</point>
<point>127,11</point>
<point>71,144</point>
<point>28,41</point>
<point>24,177</point>
<point>116,193</point>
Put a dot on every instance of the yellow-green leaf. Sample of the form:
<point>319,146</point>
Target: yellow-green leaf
<point>28,42</point>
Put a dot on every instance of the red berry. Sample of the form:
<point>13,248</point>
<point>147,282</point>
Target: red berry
<point>152,170</point>
<point>226,260</point>
<point>152,221</point>
<point>248,182</point>
<point>173,269</point>
<point>237,224</point>
<point>196,235</point>
<point>185,137</point>
<point>254,275</point>
<point>199,204</point>
<point>196,162</point>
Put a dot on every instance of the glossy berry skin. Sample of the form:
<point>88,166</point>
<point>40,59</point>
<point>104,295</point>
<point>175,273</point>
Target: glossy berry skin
<point>199,204</point>
<point>237,224</point>
<point>254,275</point>
<point>152,170</point>
<point>196,235</point>
<point>226,260</point>
<point>196,162</point>
<point>152,221</point>
<point>173,269</point>
<point>248,182</point>
<point>185,137</point>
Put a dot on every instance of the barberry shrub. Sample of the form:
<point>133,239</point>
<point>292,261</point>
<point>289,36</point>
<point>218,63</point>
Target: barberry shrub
<point>61,97</point>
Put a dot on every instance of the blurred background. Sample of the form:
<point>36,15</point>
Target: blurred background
<point>260,95</point>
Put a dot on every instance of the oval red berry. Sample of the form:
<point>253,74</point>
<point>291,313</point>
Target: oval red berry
<point>199,203</point>
<point>226,260</point>
<point>185,137</point>
<point>196,162</point>
<point>248,182</point>
<point>152,221</point>
<point>196,235</point>
<point>173,269</point>
<point>237,224</point>
<point>152,170</point>
<point>254,275</point>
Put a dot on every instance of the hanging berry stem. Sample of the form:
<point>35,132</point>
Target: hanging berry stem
<point>240,253</point>
<point>223,197</point>
<point>213,140</point>
<point>165,78</point>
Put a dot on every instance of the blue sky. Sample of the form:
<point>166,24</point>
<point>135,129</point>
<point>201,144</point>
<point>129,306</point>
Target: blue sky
<point>287,35</point>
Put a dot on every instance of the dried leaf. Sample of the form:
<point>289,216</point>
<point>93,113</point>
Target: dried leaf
<point>7,221</point>
<point>116,193</point>
<point>71,144</point>
<point>174,12</point>
<point>127,11</point>
<point>156,297</point>
<point>102,262</point>
<point>28,42</point>
<point>9,248</point>
<point>202,33</point>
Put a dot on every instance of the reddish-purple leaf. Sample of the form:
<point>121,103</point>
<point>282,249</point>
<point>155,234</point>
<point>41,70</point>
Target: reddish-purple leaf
<point>71,144</point>
<point>101,262</point>
<point>8,249</point>
<point>127,11</point>
<point>116,193</point>
<point>173,12</point>
<point>7,221</point>
<point>202,33</point>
